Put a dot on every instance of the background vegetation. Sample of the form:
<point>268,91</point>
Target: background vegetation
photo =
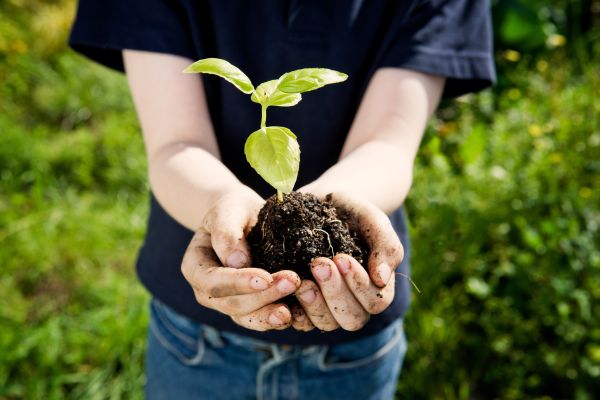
<point>504,212</point>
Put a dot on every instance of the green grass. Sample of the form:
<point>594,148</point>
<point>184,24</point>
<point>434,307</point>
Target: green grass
<point>73,206</point>
<point>72,211</point>
<point>504,216</point>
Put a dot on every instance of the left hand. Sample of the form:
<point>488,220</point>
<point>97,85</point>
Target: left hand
<point>344,293</point>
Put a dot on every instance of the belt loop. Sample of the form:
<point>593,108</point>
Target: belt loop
<point>212,336</point>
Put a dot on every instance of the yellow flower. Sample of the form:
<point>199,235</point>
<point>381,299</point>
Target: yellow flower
<point>514,94</point>
<point>542,65</point>
<point>555,158</point>
<point>534,130</point>
<point>512,55</point>
<point>446,128</point>
<point>556,40</point>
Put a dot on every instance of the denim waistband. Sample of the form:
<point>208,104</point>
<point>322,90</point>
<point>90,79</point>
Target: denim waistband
<point>218,338</point>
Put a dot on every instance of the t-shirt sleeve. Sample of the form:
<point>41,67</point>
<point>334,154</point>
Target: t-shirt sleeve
<point>103,28</point>
<point>451,38</point>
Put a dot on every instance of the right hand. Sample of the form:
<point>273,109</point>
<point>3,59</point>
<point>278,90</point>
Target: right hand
<point>217,266</point>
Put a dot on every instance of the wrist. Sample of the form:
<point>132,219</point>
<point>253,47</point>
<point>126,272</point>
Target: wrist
<point>318,188</point>
<point>238,191</point>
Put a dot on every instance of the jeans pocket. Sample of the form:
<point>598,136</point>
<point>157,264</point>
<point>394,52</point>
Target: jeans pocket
<point>179,335</point>
<point>363,351</point>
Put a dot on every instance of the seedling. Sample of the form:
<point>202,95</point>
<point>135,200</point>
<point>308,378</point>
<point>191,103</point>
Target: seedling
<point>272,151</point>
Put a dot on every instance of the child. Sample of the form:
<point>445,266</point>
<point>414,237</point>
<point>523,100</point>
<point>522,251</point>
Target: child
<point>218,329</point>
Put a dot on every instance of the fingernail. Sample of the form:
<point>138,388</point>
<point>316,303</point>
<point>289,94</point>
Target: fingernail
<point>322,272</point>
<point>275,320</point>
<point>258,283</point>
<point>384,272</point>
<point>285,286</point>
<point>308,296</point>
<point>237,259</point>
<point>343,265</point>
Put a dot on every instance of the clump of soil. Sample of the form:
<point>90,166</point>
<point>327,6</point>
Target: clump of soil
<point>289,234</point>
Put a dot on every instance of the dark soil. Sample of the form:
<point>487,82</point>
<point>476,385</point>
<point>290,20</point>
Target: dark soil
<point>288,235</point>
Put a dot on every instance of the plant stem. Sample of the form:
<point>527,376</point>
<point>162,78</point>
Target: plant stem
<point>263,124</point>
<point>263,117</point>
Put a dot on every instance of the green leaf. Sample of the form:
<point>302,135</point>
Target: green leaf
<point>474,145</point>
<point>274,153</point>
<point>307,79</point>
<point>223,69</point>
<point>519,24</point>
<point>478,287</point>
<point>267,94</point>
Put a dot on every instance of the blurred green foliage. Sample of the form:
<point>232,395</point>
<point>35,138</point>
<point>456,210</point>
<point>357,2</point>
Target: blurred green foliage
<point>538,25</point>
<point>504,212</point>
<point>72,208</point>
<point>505,217</point>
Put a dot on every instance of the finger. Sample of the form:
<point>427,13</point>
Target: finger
<point>226,223</point>
<point>204,272</point>
<point>273,316</point>
<point>284,283</point>
<point>310,298</point>
<point>342,304</point>
<point>372,298</point>
<point>386,251</point>
<point>300,320</point>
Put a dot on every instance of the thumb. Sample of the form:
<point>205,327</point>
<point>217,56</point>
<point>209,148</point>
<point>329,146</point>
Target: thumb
<point>226,224</point>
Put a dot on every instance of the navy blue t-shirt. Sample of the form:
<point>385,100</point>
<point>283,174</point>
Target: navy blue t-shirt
<point>264,39</point>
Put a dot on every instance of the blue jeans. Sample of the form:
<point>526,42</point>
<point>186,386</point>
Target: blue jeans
<point>188,360</point>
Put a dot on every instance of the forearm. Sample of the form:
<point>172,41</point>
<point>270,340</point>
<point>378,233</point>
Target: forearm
<point>185,171</point>
<point>376,163</point>
<point>186,180</point>
<point>377,171</point>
